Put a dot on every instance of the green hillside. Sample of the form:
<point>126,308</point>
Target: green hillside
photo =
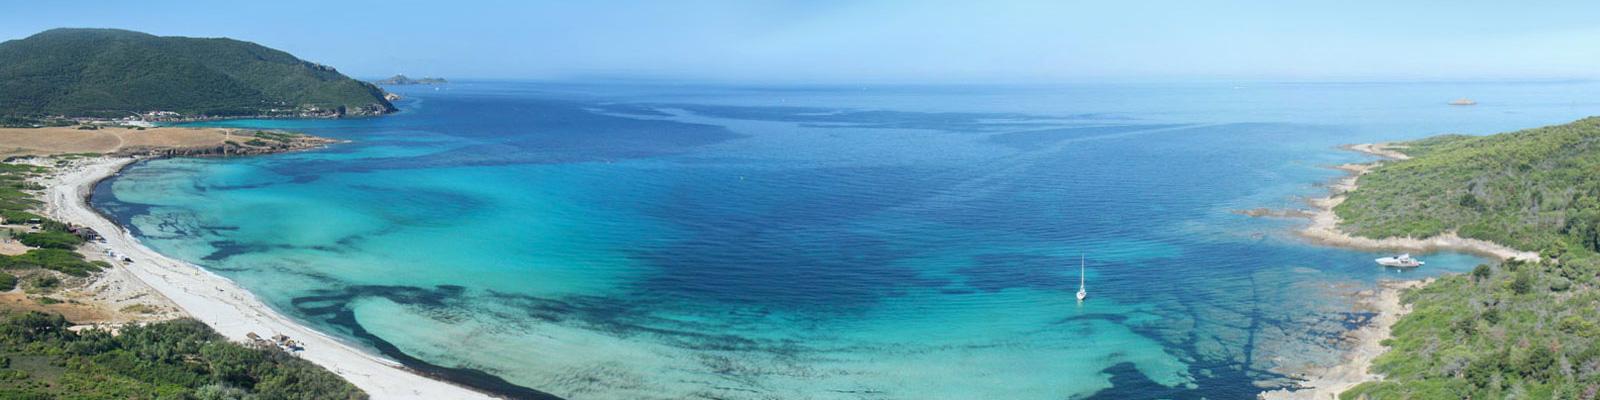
<point>113,73</point>
<point>1536,189</point>
<point>1513,330</point>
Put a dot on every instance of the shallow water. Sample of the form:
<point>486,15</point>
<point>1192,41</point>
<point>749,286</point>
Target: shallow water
<point>637,241</point>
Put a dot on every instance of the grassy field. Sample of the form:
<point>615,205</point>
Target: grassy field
<point>59,140</point>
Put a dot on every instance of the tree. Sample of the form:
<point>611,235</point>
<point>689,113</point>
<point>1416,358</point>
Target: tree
<point>1480,373</point>
<point>1480,272</point>
<point>1539,364</point>
<point>1469,201</point>
<point>1523,283</point>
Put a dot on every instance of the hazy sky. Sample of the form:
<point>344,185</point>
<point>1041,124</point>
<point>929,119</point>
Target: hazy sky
<point>884,41</point>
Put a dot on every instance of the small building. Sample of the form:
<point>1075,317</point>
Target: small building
<point>87,233</point>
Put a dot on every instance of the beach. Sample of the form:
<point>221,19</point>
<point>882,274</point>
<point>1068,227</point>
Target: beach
<point>595,266</point>
<point>217,301</point>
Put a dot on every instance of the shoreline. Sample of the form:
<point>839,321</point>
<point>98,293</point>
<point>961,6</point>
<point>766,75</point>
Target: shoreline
<point>1324,227</point>
<point>220,303</point>
<point>1352,370</point>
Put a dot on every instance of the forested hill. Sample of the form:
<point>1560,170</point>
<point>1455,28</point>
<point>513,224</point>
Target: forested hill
<point>1525,330</point>
<point>116,73</point>
<point>1535,189</point>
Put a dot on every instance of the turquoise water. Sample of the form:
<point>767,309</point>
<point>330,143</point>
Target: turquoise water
<point>634,241</point>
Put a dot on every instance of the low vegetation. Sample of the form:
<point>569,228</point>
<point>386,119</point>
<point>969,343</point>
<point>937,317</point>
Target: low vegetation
<point>1534,189</point>
<point>15,202</point>
<point>53,243</point>
<point>1517,330</point>
<point>1513,330</point>
<point>59,260</point>
<point>51,239</point>
<point>181,359</point>
<point>276,136</point>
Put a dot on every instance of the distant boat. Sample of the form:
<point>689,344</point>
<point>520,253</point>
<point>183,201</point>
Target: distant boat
<point>1463,102</point>
<point>1081,265</point>
<point>1400,261</point>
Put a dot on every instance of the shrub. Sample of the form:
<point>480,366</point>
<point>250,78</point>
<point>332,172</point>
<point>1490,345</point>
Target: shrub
<point>1466,326</point>
<point>1523,283</point>
<point>1560,284</point>
<point>17,216</point>
<point>46,282</point>
<point>33,326</point>
<point>63,261</point>
<point>1481,373</point>
<point>50,240</point>
<point>180,359</point>
<point>1538,364</point>
<point>1481,272</point>
<point>1576,325</point>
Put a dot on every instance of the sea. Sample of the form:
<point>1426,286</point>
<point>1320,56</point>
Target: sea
<point>647,240</point>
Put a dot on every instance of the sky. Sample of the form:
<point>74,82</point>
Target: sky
<point>930,41</point>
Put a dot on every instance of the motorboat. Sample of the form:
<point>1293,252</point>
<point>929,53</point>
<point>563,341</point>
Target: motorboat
<point>1400,261</point>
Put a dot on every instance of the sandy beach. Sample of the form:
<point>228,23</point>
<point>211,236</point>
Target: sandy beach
<point>1327,383</point>
<point>220,303</point>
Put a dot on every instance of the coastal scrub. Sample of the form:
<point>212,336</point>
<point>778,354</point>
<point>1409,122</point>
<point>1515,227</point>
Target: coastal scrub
<point>1533,190</point>
<point>1519,329</point>
<point>41,358</point>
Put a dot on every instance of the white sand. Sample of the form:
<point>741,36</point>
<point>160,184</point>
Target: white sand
<point>225,306</point>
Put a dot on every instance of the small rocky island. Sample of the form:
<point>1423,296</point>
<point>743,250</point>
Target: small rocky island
<point>405,80</point>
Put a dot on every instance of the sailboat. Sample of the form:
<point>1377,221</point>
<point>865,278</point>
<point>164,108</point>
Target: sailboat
<point>1081,292</point>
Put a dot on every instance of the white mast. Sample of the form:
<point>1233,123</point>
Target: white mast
<point>1082,261</point>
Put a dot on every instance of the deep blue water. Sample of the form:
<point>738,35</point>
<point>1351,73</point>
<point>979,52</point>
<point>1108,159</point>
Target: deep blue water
<point>643,241</point>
